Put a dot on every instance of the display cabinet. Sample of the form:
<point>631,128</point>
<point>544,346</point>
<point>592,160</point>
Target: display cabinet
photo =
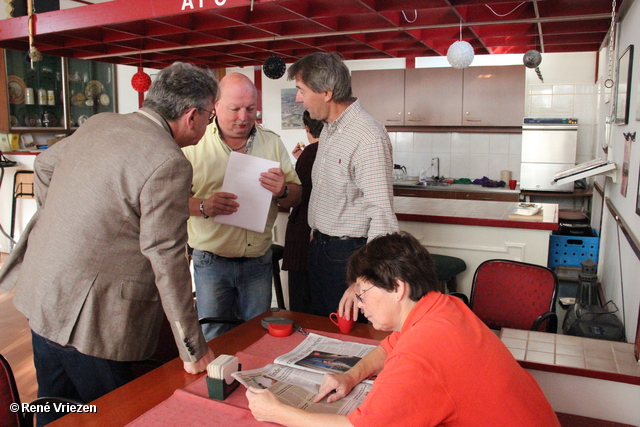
<point>90,89</point>
<point>36,95</point>
<point>57,94</point>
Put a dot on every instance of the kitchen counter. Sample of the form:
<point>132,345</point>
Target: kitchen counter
<point>410,188</point>
<point>476,231</point>
<point>470,212</point>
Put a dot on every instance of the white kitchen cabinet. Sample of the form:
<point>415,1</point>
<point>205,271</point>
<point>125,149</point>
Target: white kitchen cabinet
<point>493,96</point>
<point>475,96</point>
<point>381,93</point>
<point>433,97</point>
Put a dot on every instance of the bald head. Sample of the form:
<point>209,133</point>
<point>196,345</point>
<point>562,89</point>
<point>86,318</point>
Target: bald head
<point>236,108</point>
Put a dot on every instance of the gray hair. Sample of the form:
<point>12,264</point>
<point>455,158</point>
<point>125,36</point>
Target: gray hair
<point>180,87</point>
<point>323,72</point>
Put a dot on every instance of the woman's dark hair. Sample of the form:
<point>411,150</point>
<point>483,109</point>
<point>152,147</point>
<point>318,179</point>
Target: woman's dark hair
<point>394,256</point>
<point>315,126</point>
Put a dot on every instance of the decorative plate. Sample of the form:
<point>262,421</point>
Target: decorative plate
<point>82,119</point>
<point>14,121</point>
<point>17,89</point>
<point>78,99</point>
<point>32,120</point>
<point>104,100</point>
<point>93,89</point>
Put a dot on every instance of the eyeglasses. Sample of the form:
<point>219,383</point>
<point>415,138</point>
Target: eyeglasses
<point>359,296</point>
<point>212,114</point>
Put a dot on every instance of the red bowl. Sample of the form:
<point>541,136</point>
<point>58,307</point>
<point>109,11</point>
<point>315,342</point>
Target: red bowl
<point>279,330</point>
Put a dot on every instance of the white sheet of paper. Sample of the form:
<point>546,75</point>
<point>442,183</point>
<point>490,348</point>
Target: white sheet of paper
<point>242,179</point>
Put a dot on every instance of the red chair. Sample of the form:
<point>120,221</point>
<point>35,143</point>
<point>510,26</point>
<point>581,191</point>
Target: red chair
<point>9,395</point>
<point>517,295</point>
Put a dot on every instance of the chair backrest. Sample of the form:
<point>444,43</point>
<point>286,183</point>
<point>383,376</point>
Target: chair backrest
<point>8,395</point>
<point>513,294</point>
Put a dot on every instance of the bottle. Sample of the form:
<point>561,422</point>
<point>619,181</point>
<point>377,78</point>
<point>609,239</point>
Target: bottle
<point>51,97</point>
<point>423,175</point>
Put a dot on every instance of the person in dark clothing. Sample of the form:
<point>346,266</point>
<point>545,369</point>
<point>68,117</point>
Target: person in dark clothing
<point>298,231</point>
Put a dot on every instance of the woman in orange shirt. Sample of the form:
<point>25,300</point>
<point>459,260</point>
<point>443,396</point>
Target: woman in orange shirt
<point>442,366</point>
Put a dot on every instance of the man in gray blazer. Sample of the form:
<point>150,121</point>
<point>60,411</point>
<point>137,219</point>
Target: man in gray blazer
<point>105,252</point>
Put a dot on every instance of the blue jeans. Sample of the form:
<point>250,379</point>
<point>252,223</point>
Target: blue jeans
<point>327,262</point>
<point>231,287</point>
<point>62,371</point>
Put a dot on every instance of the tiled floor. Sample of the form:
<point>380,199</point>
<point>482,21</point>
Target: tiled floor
<point>576,352</point>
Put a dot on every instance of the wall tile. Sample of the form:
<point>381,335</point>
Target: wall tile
<point>404,142</point>
<point>478,166</point>
<point>497,163</point>
<point>499,143</point>
<point>514,166</point>
<point>422,142</point>
<point>460,143</point>
<point>563,89</point>
<point>459,165</point>
<point>515,144</point>
<point>479,143</point>
<point>441,142</point>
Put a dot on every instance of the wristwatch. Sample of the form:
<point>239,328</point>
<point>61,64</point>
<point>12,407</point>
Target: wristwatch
<point>286,192</point>
<point>202,209</point>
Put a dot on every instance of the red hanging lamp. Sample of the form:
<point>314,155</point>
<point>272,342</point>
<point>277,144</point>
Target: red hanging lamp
<point>141,81</point>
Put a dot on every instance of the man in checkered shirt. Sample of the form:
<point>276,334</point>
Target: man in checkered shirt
<point>352,196</point>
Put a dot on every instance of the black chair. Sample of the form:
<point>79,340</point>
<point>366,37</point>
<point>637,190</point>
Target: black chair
<point>447,270</point>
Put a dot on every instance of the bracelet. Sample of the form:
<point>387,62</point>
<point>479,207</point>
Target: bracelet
<point>202,209</point>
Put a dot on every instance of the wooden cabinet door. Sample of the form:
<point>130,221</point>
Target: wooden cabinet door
<point>493,96</point>
<point>433,97</point>
<point>381,93</point>
<point>494,197</point>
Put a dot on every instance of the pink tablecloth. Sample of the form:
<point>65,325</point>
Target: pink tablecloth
<point>192,406</point>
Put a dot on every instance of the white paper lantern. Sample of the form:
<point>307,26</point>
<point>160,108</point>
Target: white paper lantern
<point>460,54</point>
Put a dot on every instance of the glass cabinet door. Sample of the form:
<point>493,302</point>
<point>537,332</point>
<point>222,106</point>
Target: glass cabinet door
<point>91,89</point>
<point>36,95</point>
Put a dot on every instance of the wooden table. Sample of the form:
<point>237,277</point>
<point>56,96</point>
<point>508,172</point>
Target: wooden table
<point>132,400</point>
<point>128,402</point>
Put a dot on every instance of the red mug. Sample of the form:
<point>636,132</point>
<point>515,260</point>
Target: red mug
<point>512,184</point>
<point>343,324</point>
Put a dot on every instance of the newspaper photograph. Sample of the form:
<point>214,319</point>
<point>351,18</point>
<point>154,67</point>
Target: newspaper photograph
<point>321,354</point>
<point>297,388</point>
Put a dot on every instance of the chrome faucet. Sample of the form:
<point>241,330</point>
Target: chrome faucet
<point>435,162</point>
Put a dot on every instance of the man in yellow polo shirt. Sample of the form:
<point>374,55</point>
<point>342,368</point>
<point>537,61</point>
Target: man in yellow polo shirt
<point>232,265</point>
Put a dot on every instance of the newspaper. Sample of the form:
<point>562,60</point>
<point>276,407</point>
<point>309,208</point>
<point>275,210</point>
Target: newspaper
<point>296,376</point>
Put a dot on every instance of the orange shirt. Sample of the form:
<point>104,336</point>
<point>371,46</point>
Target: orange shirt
<point>446,368</point>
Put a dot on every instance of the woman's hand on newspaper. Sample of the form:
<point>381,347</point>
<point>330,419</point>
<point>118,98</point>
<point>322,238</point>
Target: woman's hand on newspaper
<point>262,403</point>
<point>336,386</point>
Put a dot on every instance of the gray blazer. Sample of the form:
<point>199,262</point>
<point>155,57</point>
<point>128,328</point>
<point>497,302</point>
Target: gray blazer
<point>105,252</point>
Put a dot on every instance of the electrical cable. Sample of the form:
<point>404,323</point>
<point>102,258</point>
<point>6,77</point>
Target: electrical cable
<point>509,13</point>
<point>415,11</point>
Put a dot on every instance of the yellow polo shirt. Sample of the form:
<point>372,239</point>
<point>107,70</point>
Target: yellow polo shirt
<point>209,159</point>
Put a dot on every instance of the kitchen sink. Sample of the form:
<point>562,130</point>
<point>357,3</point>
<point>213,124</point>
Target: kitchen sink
<point>416,183</point>
<point>432,183</point>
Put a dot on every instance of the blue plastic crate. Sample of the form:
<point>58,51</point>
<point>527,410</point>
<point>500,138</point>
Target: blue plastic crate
<point>570,251</point>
